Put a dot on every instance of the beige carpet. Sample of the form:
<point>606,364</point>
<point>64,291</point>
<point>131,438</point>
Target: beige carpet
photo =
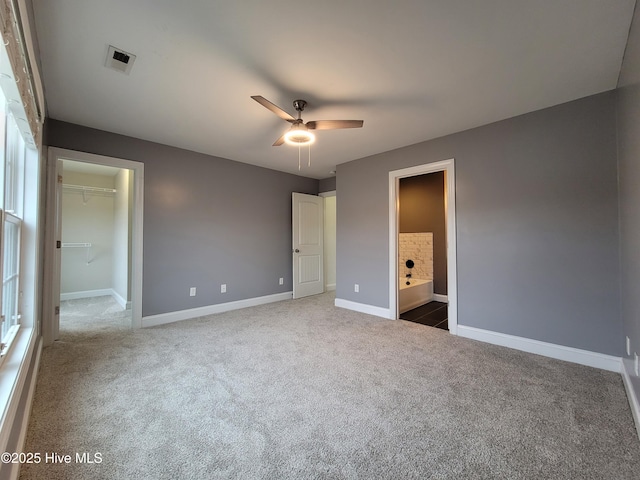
<point>302,389</point>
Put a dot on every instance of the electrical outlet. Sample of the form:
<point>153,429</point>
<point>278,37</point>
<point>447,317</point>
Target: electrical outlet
<point>223,288</point>
<point>281,281</point>
<point>356,288</point>
<point>628,346</point>
<point>192,292</point>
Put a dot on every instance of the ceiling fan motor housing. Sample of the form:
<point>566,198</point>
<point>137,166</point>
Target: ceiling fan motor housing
<point>299,105</point>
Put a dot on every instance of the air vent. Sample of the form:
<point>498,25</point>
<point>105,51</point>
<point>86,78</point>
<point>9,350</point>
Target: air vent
<point>118,59</point>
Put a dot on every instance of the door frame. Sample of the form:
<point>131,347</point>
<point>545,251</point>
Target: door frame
<point>53,187</point>
<point>447,166</point>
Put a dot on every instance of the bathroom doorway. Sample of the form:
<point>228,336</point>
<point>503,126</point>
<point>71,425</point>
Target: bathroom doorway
<point>422,250</point>
<point>422,267</point>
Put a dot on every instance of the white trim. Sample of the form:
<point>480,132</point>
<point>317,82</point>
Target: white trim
<point>103,292</point>
<point>26,414</point>
<point>170,317</point>
<point>363,308</point>
<point>552,350</point>
<point>12,381</point>
<point>36,77</point>
<point>440,298</point>
<point>330,287</point>
<point>447,166</point>
<point>56,154</point>
<point>331,193</point>
<point>631,394</point>
<point>120,300</point>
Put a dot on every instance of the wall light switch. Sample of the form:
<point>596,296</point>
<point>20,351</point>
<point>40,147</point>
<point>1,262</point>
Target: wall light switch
<point>223,288</point>
<point>192,292</point>
<point>356,288</point>
<point>637,365</point>
<point>628,346</point>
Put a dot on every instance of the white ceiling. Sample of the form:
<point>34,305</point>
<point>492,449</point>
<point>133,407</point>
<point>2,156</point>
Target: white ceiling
<point>411,69</point>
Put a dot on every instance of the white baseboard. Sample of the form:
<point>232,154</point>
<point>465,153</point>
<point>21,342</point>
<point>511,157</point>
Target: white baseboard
<point>121,301</point>
<point>363,308</point>
<point>631,394</point>
<point>560,352</point>
<point>162,318</point>
<point>440,298</point>
<point>330,287</point>
<point>103,292</point>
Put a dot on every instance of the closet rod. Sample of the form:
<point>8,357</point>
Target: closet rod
<point>85,188</point>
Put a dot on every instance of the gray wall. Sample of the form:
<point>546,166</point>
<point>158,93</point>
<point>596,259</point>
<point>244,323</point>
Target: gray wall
<point>421,201</point>
<point>207,220</point>
<point>327,184</point>
<point>629,173</point>
<point>537,229</point>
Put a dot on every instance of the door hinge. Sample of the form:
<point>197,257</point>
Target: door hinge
<point>58,244</point>
<point>57,310</point>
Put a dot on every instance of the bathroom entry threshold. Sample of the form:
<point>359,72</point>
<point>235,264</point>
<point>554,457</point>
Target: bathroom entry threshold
<point>432,314</point>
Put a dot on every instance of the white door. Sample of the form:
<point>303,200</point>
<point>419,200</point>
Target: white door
<point>308,261</point>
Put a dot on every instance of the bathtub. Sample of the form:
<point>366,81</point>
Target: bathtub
<point>412,296</point>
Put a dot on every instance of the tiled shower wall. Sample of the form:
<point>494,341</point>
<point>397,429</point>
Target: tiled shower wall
<point>419,248</point>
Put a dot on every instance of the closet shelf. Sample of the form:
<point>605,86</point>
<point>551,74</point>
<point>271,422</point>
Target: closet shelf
<point>79,245</point>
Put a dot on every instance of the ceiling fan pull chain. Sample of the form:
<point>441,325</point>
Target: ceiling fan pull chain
<point>298,157</point>
<point>309,155</point>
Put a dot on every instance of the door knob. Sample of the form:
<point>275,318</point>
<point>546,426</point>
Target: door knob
<point>297,251</point>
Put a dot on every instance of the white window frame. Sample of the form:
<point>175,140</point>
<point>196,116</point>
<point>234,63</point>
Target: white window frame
<point>8,338</point>
<point>12,192</point>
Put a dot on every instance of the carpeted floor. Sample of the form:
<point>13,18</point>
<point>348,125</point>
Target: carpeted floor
<point>95,314</point>
<point>304,390</point>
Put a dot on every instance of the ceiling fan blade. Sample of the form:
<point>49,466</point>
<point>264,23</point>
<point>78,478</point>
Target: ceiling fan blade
<point>274,108</point>
<point>278,142</point>
<point>334,124</point>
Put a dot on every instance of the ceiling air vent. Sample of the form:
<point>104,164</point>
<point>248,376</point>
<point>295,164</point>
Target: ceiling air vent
<point>118,59</point>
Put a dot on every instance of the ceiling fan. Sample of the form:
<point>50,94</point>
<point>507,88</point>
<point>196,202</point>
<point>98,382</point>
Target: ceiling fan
<point>299,133</point>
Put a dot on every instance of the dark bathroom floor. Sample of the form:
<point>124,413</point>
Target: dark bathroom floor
<point>433,314</point>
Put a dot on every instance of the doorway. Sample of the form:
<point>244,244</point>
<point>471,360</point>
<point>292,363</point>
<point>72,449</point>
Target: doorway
<point>95,285</point>
<point>433,249</point>
<point>329,240</point>
<point>422,250</point>
<point>125,288</point>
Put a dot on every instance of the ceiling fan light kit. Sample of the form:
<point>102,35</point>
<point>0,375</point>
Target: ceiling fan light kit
<point>299,135</point>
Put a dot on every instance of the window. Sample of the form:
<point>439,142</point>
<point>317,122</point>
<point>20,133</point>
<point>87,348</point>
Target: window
<point>10,281</point>
<point>12,200</point>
